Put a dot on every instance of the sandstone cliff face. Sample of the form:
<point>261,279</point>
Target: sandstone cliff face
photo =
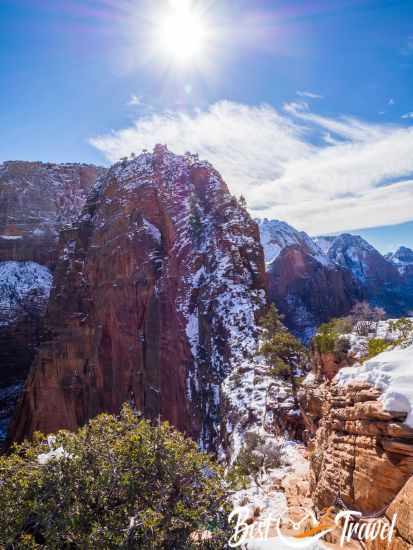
<point>35,200</point>
<point>309,290</point>
<point>402,505</point>
<point>360,451</point>
<point>359,431</point>
<point>155,297</point>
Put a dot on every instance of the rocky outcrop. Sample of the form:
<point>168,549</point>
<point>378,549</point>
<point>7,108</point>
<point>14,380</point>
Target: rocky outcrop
<point>359,430</point>
<point>402,505</point>
<point>36,199</point>
<point>155,298</point>
<point>360,452</point>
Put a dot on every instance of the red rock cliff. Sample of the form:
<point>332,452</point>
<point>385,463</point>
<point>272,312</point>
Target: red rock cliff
<point>36,199</point>
<point>155,297</point>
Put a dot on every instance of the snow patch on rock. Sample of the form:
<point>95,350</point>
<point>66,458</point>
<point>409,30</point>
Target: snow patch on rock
<point>392,373</point>
<point>24,288</point>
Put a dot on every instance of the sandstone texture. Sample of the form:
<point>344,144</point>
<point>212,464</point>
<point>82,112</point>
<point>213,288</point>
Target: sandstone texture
<point>36,199</point>
<point>360,452</point>
<point>156,294</point>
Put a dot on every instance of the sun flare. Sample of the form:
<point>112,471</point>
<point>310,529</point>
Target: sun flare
<point>182,32</point>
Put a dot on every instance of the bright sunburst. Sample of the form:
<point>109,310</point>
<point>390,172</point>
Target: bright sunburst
<point>182,32</point>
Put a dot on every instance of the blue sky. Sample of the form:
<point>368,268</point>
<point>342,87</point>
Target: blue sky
<point>85,80</point>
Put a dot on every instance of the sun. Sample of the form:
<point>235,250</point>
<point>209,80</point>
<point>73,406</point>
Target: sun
<point>183,33</point>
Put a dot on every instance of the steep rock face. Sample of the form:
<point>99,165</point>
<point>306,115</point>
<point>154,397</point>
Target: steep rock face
<point>402,505</point>
<point>309,290</point>
<point>379,278</point>
<point>155,297</point>
<point>24,294</point>
<point>360,429</point>
<point>363,445</point>
<point>304,283</point>
<point>35,200</point>
<point>403,261</point>
<point>361,452</point>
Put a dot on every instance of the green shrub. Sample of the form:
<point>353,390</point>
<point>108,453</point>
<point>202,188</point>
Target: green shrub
<point>325,342</point>
<point>280,369</point>
<point>118,483</point>
<point>257,455</point>
<point>328,338</point>
<point>282,351</point>
<point>271,321</point>
<point>376,346</point>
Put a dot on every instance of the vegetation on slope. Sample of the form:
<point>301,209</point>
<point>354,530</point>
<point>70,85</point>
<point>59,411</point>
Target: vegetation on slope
<point>115,483</point>
<point>281,349</point>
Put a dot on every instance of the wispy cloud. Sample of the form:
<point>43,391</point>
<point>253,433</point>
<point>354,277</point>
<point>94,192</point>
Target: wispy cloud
<point>320,174</point>
<point>135,100</point>
<point>310,95</point>
<point>408,115</point>
<point>391,101</point>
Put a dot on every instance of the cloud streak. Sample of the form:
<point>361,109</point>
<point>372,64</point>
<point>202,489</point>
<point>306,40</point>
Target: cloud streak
<point>310,95</point>
<point>318,173</point>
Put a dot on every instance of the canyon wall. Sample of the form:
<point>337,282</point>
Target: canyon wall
<point>155,299</point>
<point>360,437</point>
<point>36,200</point>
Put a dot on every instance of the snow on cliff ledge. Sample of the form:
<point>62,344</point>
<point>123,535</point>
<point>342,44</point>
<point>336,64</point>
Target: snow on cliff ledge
<point>392,373</point>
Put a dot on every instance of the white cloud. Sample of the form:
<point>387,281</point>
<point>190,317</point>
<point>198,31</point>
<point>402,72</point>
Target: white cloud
<point>135,100</point>
<point>310,95</point>
<point>318,173</point>
<point>391,101</point>
<point>408,115</point>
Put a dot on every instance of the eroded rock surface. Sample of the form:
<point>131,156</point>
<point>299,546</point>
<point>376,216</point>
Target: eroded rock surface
<point>36,199</point>
<point>155,298</point>
<point>360,451</point>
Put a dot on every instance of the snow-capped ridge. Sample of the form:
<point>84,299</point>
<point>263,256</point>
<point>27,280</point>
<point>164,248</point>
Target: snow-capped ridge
<point>277,235</point>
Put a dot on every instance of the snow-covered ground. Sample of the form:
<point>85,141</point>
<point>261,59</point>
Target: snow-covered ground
<point>262,496</point>
<point>359,345</point>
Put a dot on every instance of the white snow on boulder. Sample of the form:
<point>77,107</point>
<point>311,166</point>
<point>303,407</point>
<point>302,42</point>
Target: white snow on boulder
<point>392,373</point>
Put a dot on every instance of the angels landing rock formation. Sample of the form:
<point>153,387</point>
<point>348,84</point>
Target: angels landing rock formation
<point>36,199</point>
<point>156,293</point>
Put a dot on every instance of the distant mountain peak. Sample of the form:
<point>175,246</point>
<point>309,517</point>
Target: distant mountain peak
<point>277,235</point>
